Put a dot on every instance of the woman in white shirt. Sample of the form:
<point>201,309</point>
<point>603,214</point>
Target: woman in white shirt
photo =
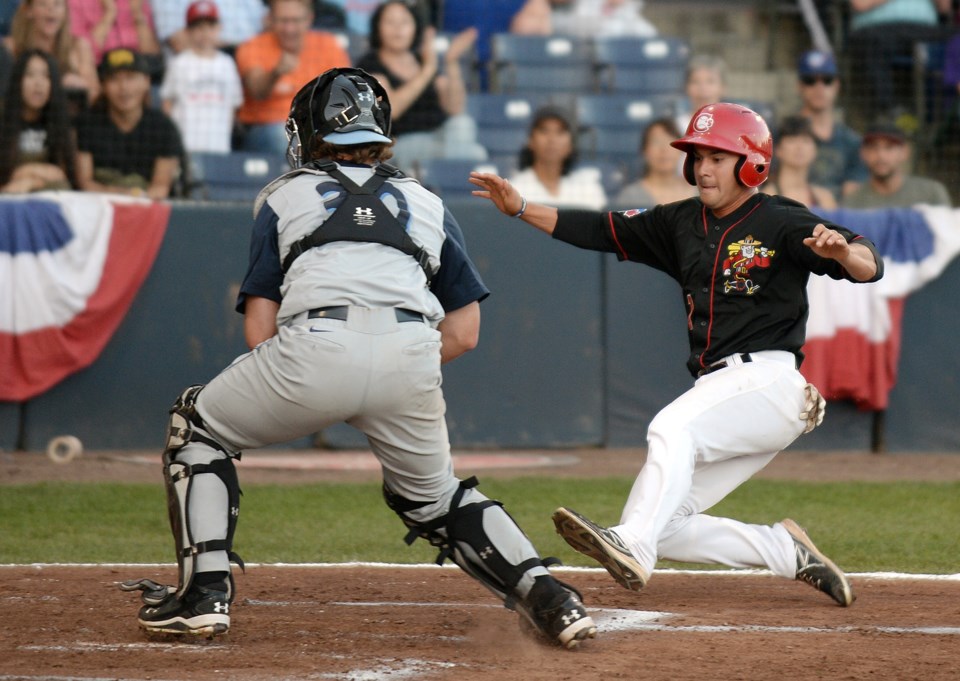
<point>547,172</point>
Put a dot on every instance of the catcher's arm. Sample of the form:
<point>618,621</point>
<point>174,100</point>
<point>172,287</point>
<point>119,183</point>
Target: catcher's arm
<point>259,320</point>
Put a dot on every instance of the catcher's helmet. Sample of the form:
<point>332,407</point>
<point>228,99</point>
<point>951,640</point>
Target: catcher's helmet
<point>733,128</point>
<point>343,106</point>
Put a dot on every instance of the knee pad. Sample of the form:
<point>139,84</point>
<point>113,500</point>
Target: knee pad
<point>186,426</point>
<point>461,536</point>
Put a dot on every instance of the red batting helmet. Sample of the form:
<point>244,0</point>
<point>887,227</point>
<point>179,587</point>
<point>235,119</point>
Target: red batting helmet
<point>733,128</point>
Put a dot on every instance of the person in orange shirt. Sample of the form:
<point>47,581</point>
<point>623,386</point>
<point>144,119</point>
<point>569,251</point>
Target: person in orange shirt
<point>275,64</point>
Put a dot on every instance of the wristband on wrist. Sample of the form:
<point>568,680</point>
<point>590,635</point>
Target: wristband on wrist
<point>523,207</point>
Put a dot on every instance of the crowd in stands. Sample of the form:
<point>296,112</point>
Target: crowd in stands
<point>122,95</point>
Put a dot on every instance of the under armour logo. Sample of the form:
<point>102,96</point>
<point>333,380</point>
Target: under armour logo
<point>364,216</point>
<point>571,618</point>
<point>486,553</point>
<point>220,606</point>
<point>234,511</point>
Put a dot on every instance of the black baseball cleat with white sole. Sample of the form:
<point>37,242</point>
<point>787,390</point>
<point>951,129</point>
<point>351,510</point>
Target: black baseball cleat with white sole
<point>602,545</point>
<point>816,569</point>
<point>202,612</point>
<point>560,618</point>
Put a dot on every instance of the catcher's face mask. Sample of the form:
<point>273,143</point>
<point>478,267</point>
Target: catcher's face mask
<point>294,147</point>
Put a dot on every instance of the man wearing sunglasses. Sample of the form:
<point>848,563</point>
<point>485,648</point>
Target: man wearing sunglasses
<point>838,165</point>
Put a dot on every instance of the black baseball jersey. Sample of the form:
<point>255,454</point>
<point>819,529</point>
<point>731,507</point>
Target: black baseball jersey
<point>743,276</point>
<point>134,152</point>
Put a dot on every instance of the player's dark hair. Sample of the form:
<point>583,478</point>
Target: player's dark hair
<point>359,153</point>
<point>55,117</point>
<point>376,42</point>
<point>525,159</point>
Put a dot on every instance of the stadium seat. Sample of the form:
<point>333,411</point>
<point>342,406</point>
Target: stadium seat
<point>236,176</point>
<point>617,110</point>
<point>618,146</point>
<point>648,66</point>
<point>503,120</point>
<point>448,177</point>
<point>524,63</point>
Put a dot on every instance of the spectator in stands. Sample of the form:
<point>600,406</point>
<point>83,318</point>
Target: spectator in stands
<point>38,146</point>
<point>838,165</point>
<point>547,165</point>
<point>240,20</point>
<point>661,181</point>
<point>45,25</point>
<point>427,102</point>
<point>201,88</point>
<point>523,17</point>
<point>125,146</point>
<point>274,66</point>
<point>706,83</point>
<point>794,151</point>
<point>600,18</point>
<point>886,152</point>
<point>883,32</point>
<point>109,24</point>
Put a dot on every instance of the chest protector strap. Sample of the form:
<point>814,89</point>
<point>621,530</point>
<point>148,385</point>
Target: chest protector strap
<point>361,217</point>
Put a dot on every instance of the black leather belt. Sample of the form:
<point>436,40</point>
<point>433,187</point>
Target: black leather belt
<point>340,312</point>
<point>744,359</point>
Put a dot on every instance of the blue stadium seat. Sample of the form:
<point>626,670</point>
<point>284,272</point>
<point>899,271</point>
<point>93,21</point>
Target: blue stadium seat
<point>619,146</point>
<point>524,63</point>
<point>617,110</point>
<point>236,176</point>
<point>503,120</point>
<point>648,66</point>
<point>448,177</point>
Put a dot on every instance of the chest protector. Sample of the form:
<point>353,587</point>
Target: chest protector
<point>361,217</point>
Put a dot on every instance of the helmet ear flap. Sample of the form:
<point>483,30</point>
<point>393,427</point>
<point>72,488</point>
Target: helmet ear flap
<point>738,171</point>
<point>688,170</point>
<point>750,175</point>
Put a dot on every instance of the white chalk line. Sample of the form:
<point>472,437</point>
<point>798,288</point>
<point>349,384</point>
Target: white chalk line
<point>608,620</point>
<point>432,566</point>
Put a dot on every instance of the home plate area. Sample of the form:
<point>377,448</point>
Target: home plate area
<point>362,622</point>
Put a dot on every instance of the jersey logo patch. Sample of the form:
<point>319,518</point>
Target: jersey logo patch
<point>364,216</point>
<point>631,212</point>
<point>743,256</point>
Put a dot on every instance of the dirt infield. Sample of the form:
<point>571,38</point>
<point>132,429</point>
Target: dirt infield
<point>387,624</point>
<point>376,623</point>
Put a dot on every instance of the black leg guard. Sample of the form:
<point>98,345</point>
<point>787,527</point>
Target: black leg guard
<point>179,483</point>
<point>185,427</point>
<point>460,535</point>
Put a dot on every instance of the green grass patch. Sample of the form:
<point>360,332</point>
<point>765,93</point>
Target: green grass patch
<point>907,527</point>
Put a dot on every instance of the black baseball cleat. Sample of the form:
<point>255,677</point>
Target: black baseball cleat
<point>561,619</point>
<point>603,546</point>
<point>816,569</point>
<point>202,612</point>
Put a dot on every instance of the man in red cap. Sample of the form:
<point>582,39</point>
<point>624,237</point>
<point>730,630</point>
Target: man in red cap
<point>749,400</point>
